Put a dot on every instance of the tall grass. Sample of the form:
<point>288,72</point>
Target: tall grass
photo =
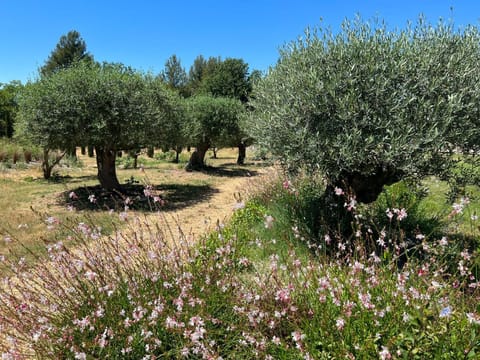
<point>12,152</point>
<point>257,287</point>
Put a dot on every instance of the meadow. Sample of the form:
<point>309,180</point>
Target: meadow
<point>227,264</point>
<point>28,201</point>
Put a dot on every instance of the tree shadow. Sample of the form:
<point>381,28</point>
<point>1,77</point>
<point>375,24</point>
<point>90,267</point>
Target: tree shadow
<point>76,179</point>
<point>164,197</point>
<point>228,170</point>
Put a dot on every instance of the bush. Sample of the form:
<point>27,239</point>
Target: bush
<point>398,215</point>
<point>466,171</point>
<point>170,156</point>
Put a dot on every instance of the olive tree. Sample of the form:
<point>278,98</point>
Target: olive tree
<point>230,78</point>
<point>110,107</point>
<point>211,120</point>
<point>366,107</point>
<point>169,111</point>
<point>51,115</point>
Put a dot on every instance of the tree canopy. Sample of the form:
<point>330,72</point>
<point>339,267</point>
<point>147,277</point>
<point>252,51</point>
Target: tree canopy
<point>175,75</point>
<point>229,78</point>
<point>211,121</point>
<point>367,106</point>
<point>110,107</point>
<point>8,107</point>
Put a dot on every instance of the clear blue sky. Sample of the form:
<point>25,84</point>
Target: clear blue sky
<point>144,33</point>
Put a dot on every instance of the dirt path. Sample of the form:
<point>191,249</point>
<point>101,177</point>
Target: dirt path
<point>202,216</point>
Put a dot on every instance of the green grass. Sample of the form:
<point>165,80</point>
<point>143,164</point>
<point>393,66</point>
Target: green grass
<point>436,202</point>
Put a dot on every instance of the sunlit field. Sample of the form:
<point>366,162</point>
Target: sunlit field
<point>28,201</point>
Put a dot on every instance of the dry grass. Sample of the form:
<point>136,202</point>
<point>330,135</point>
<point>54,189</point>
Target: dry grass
<point>194,200</point>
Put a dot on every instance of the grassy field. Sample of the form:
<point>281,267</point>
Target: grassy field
<point>258,286</point>
<point>27,201</point>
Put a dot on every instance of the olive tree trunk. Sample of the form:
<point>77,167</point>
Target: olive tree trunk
<point>107,174</point>
<point>178,151</point>
<point>197,159</point>
<point>242,153</point>
<point>150,151</point>
<point>366,188</point>
<point>48,166</point>
<point>90,150</point>
<point>72,151</point>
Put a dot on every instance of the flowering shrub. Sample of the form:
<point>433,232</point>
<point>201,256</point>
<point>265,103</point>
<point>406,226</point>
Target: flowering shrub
<point>399,213</point>
<point>141,294</point>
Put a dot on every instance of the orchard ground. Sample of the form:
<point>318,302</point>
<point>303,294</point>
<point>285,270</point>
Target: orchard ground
<point>256,288</point>
<point>199,199</point>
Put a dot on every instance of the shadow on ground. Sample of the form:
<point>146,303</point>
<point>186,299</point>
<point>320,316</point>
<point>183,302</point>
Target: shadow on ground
<point>228,170</point>
<point>165,197</point>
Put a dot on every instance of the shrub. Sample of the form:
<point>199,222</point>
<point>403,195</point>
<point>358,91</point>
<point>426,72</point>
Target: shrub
<point>141,294</point>
<point>399,216</point>
<point>466,171</point>
<point>12,151</point>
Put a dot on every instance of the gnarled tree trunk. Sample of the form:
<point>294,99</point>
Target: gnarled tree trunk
<point>197,161</point>
<point>366,188</point>
<point>47,167</point>
<point>107,174</point>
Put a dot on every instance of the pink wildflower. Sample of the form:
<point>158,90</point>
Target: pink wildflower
<point>239,205</point>
<point>80,356</point>
<point>473,318</point>
<point>340,324</point>
<point>389,214</point>
<point>401,214</point>
<point>351,205</point>
<point>385,353</point>
<point>443,241</point>
<point>297,336</point>
<point>276,340</point>
<point>327,239</point>
<point>283,295</point>
<point>90,275</point>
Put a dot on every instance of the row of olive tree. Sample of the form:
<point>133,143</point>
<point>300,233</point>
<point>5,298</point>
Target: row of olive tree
<point>366,107</point>
<point>208,78</point>
<point>111,107</point>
